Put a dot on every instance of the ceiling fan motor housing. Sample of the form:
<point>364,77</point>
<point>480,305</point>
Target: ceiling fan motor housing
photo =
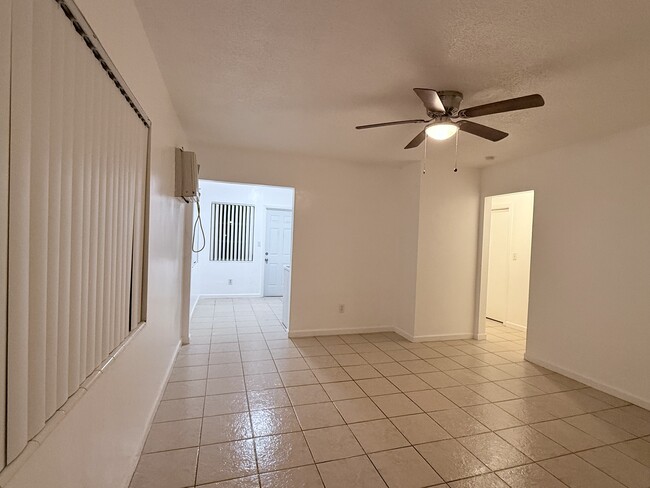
<point>451,100</point>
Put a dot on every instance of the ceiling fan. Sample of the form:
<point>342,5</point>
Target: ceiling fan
<point>446,118</point>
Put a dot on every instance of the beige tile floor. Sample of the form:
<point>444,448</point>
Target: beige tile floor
<point>247,407</point>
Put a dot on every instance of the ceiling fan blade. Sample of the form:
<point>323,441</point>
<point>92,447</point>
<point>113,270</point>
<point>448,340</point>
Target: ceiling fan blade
<point>416,141</point>
<point>520,103</point>
<point>483,131</point>
<point>431,100</point>
<point>397,122</point>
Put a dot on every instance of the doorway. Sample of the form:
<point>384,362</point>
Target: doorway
<point>505,263</point>
<point>248,245</point>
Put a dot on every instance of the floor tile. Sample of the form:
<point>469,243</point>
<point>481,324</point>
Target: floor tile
<point>567,435</point>
<point>303,395</point>
<point>265,399</point>
<point>246,482</point>
<point>492,392</point>
<point>529,476</point>
<point>409,382</point>
<point>638,449</point>
<point>358,410</point>
<point>282,451</point>
<point>274,421</point>
<point>302,477</point>
<point>331,375</point>
<point>626,421</point>
<point>391,368</point>
<point>525,411</point>
<point>181,409</point>
<point>362,371</point>
<point>599,429</point>
<point>396,404</point>
<point>576,473</point>
<point>263,381</point>
<point>170,469</point>
<point>178,434</point>
<point>189,373</point>
<point>344,390</point>
<point>451,460</point>
<point>378,435</point>
<point>489,480</point>
<point>438,379</point>
<point>419,428</point>
<point>619,466</point>
<point>404,468</point>
<point>430,400</point>
<point>218,386</point>
<point>298,378</point>
<point>493,451</point>
<point>533,444</point>
<point>225,370</point>
<point>218,462</point>
<point>356,472</point>
<point>224,428</point>
<point>458,422</point>
<point>317,415</point>
<point>492,416</point>
<point>377,386</point>
<point>222,404</point>
<point>463,396</point>
<point>332,443</point>
<point>184,389</point>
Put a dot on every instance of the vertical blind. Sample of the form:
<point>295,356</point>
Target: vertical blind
<point>77,172</point>
<point>232,232</point>
<point>5,58</point>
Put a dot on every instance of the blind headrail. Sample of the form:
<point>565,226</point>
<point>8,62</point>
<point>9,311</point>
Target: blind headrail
<point>83,28</point>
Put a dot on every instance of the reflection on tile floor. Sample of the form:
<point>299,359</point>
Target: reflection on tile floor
<point>247,407</point>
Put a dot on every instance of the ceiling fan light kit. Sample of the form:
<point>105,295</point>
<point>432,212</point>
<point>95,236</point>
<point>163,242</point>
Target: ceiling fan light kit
<point>441,130</point>
<point>446,117</point>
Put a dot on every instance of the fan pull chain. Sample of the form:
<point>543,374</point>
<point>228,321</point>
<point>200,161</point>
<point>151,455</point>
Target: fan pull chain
<point>424,162</point>
<point>456,158</point>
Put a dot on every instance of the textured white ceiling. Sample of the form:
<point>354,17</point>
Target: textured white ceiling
<point>298,75</point>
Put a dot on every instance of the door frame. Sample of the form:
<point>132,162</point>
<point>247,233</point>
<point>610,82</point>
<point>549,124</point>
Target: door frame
<point>285,209</point>
<point>508,207</point>
<point>484,255</point>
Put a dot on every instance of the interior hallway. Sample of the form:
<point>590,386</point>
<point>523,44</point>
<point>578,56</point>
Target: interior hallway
<point>246,407</point>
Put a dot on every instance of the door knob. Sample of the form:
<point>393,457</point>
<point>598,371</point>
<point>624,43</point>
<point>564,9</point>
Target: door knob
<point>266,260</point>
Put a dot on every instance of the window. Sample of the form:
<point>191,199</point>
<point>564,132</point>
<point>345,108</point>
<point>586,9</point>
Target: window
<point>231,232</point>
<point>78,158</point>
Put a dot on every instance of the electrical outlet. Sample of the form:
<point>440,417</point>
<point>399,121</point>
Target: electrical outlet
<point>230,281</point>
<point>341,308</point>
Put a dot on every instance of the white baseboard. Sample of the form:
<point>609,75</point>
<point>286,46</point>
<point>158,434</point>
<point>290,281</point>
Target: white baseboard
<point>629,397</point>
<point>371,330</point>
<point>339,331</point>
<point>232,295</point>
<point>480,337</point>
<point>513,325</point>
<point>442,337</point>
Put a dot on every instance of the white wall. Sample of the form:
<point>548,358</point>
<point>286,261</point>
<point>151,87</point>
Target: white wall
<point>590,265</point>
<point>520,241</point>
<point>345,220</point>
<point>211,277</point>
<point>447,253</point>
<point>97,443</point>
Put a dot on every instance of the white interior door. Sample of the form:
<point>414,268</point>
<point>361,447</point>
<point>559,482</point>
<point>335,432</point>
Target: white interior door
<point>278,250</point>
<point>497,285</point>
